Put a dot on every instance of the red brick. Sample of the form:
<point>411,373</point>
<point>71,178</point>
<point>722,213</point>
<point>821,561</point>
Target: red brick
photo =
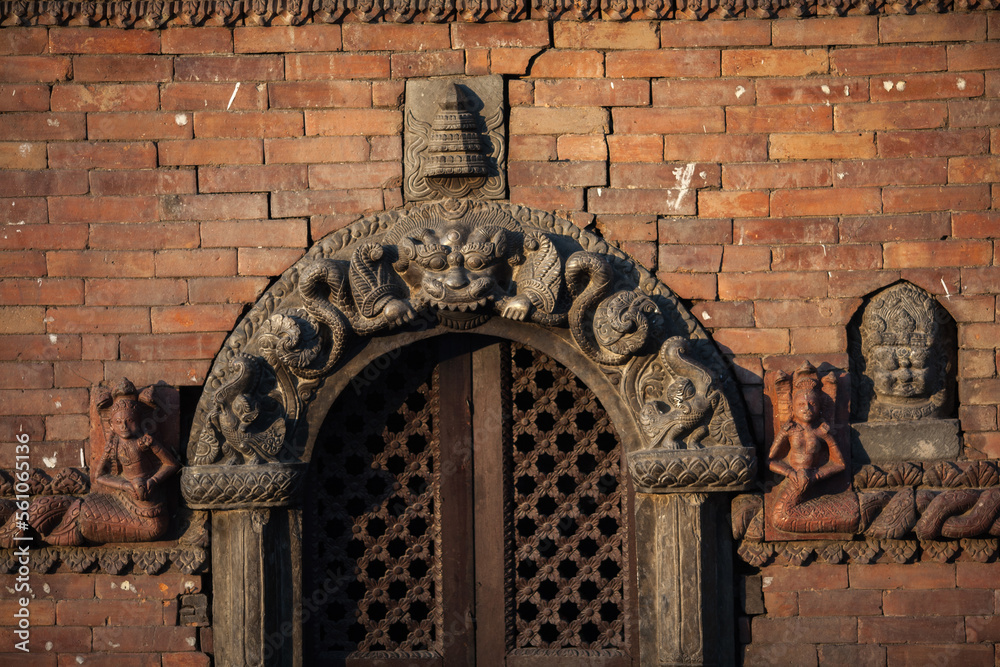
<point>434,63</point>
<point>247,124</point>
<point>24,40</point>
<point>945,655</point>
<point>100,264</point>
<point>44,237</point>
<point>632,228</point>
<point>821,258</point>
<point>520,34</point>
<point>818,340</point>
<point>103,209</point>
<point>892,576</point>
<point>814,312</point>
<point>600,35</point>
<point>737,204</point>
<point>771,175</point>
<point>23,211</point>
<point>98,319</point>
<point>102,156</point>
<point>869,229</point>
<point>568,64</point>
<point>266,261</point>
<point>848,201</point>
<point>147,181</point>
<point>587,93</point>
<point>852,30</point>
<point>23,156</point>
<point>225,290</point>
<point>516,61</point>
<point>942,198</point>
<point>980,280</point>
<point>746,258</point>
<point>831,630</point>
<point>766,655</point>
<point>851,654</point>
<point>171,346</point>
<point>97,346</point>
<point>888,60</point>
<point>582,147</point>
<point>691,230</point>
<point>754,340</point>
<point>24,97</point>
<point>661,120</point>
<point>980,335</point>
<point>320,94</point>
<point>125,292</point>
<point>745,120</point>
<point>120,68</point>
<point>937,253</point>
<point>891,172</point>
<point>890,116</point>
<point>388,94</point>
<point>664,63</point>
<point>822,146</point>
<point>34,68</point>
<point>976,364</point>
<point>548,198</point>
<point>633,148</point>
<point>125,126</point>
<point>148,236</point>
<point>975,224</point>
<point>186,659</point>
<point>963,57</point>
<point>213,207</point>
<point>775,62</point>
<point>950,602</point>
<point>859,283</point>
<point>811,91</point>
<point>97,659</point>
<point>558,121</point>
<point>203,39</point>
<point>26,375</point>
<point>980,391</point>
<point>42,127</point>
<point>178,319</point>
<point>911,630</point>
<point>477,62</point>
<point>102,40</point>
<point>932,143</point>
<point>316,149</point>
<point>153,639</point>
<point>23,264</point>
<point>686,34</point>
<point>537,147</point>
<point>45,291</point>
<point>639,175</point>
<point>933,28</point>
<point>348,122</point>
<point>974,113</point>
<point>196,96</point>
<point>545,174</point>
<point>324,202</point>
<point>627,201</point>
<point>974,169</point>
<point>195,262</point>
<point>691,258</point>
<point>67,639</point>
<point>690,285</point>
<point>976,575</point>
<point>211,151</point>
<point>244,69</point>
<point>105,97</point>
<point>336,66</point>
<point>772,285</point>
<point>110,612</point>
<point>388,37</point>
<point>723,314</point>
<point>43,402</point>
<point>685,92</point>
<point>285,39</point>
<point>927,87</point>
<point>257,178</point>
<point>255,233</point>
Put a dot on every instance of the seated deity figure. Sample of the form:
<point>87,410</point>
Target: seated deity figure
<point>806,454</point>
<point>126,503</point>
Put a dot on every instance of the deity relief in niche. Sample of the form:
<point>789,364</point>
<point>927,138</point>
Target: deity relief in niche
<point>815,494</point>
<point>127,502</point>
<point>902,366</point>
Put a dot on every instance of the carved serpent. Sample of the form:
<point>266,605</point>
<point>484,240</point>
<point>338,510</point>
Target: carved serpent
<point>609,329</point>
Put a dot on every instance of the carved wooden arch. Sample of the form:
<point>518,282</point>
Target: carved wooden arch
<point>495,269</point>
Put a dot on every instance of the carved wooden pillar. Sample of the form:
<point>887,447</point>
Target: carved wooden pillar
<point>256,584</point>
<point>685,580</point>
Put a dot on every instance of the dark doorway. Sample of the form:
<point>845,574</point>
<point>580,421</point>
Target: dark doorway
<point>467,503</point>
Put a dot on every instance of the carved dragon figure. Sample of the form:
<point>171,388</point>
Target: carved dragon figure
<point>692,408</point>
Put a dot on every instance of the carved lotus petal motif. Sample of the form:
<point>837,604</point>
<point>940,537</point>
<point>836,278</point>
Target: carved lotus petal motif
<point>981,551</point>
<point>794,554</point>
<point>861,551</point>
<point>898,551</point>
<point>832,553</point>
<point>79,560</point>
<point>42,560</point>
<point>189,561</point>
<point>756,553</point>
<point>149,561</point>
<point>940,551</point>
<point>113,561</point>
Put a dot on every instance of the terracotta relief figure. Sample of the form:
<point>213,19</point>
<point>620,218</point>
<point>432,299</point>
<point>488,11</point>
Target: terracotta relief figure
<point>806,453</point>
<point>126,503</point>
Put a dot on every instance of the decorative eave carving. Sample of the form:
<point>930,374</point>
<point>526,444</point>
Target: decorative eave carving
<point>155,14</point>
<point>460,264</point>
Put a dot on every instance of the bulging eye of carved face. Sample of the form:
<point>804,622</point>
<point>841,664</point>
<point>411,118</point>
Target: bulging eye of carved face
<point>901,371</point>
<point>463,271</point>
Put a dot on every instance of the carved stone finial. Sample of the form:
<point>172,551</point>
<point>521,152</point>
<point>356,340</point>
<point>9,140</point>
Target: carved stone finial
<point>455,147</point>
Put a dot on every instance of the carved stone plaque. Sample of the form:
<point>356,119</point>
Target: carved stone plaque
<point>455,139</point>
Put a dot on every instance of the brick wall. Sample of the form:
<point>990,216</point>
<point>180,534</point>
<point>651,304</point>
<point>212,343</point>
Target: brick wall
<point>772,172</point>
